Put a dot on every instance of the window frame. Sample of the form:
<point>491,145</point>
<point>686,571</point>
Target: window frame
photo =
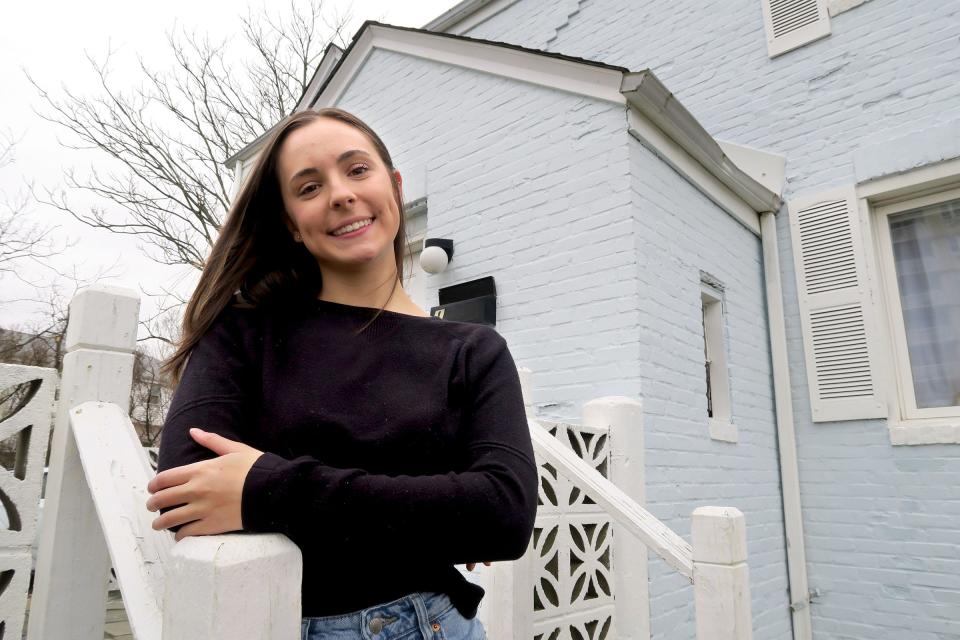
<point>879,199</point>
<point>713,311</point>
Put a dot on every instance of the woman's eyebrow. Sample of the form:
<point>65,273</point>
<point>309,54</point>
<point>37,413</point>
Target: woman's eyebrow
<point>343,156</point>
<point>351,153</point>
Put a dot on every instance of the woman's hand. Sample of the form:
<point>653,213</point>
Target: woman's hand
<point>209,492</point>
<point>472,565</point>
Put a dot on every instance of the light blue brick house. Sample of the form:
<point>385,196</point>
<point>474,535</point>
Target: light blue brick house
<point>744,214</point>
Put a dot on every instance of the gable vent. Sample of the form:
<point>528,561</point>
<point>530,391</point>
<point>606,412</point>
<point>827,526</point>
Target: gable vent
<point>836,318</point>
<point>793,23</point>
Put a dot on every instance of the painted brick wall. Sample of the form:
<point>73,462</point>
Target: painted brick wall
<point>681,233</point>
<point>533,185</point>
<point>598,282</point>
<point>882,523</point>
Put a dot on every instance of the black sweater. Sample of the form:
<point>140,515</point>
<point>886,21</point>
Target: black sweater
<point>391,455</point>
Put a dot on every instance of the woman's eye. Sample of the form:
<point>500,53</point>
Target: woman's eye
<point>359,169</point>
<point>309,188</point>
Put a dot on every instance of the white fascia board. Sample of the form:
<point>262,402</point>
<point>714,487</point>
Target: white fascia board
<point>525,66</point>
<point>466,15</point>
<point>653,138</point>
<point>248,151</point>
<point>330,59</point>
<point>660,108</point>
<point>766,168</point>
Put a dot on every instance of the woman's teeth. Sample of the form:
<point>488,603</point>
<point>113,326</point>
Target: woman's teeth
<point>352,227</point>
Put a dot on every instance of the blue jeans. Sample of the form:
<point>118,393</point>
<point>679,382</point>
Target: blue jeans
<point>418,616</point>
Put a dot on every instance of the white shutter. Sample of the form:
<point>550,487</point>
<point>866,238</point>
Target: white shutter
<point>794,23</point>
<point>837,319</point>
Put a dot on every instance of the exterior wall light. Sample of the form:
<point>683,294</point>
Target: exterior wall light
<point>436,254</point>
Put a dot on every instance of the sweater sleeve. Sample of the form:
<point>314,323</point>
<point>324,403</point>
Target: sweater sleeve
<point>214,393</point>
<point>484,511</point>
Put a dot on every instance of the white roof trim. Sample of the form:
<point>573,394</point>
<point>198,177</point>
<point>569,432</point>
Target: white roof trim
<point>649,97</point>
<point>467,15</point>
<point>766,168</point>
<point>655,117</point>
<point>508,62</point>
<point>327,64</point>
<point>696,173</point>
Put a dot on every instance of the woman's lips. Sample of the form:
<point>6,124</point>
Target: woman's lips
<point>357,232</point>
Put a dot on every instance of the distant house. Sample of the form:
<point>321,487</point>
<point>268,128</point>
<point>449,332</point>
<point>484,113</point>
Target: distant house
<point>149,397</point>
<point>745,214</point>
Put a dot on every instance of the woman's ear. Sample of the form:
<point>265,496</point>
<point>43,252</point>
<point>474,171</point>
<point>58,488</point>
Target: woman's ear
<point>291,229</point>
<point>396,174</point>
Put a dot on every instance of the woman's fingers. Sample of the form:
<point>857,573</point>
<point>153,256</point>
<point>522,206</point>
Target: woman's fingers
<point>181,494</point>
<point>174,517</point>
<point>173,477</point>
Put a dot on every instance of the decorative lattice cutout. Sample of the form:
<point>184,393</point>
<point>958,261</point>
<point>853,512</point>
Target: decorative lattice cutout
<point>573,582</point>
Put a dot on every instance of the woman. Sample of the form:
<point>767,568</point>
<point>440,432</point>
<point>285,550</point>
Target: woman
<point>389,445</point>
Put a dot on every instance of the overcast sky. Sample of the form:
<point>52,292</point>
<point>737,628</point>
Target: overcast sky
<point>50,40</point>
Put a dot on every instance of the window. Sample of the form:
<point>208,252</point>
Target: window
<point>715,357</point>
<point>919,261</point>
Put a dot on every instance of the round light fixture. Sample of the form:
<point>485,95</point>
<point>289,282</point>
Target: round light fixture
<point>436,254</point>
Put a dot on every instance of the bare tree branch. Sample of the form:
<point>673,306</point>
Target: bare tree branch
<point>164,143</point>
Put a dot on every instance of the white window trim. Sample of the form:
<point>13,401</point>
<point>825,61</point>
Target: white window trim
<point>877,200</point>
<point>720,425</point>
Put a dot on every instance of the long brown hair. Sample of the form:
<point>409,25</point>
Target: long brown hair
<point>255,254</point>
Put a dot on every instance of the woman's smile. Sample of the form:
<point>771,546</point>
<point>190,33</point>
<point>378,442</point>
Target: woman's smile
<point>353,229</point>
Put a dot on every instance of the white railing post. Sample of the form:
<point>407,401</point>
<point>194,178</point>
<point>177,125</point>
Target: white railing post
<point>233,586</point>
<point>507,608</point>
<point>69,596</point>
<point>721,580</point>
<point>623,417</point>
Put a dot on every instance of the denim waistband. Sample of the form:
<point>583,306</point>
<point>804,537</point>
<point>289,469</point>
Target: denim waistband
<point>387,621</point>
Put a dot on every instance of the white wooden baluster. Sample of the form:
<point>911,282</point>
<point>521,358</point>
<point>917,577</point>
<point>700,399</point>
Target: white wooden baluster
<point>69,596</point>
<point>623,417</point>
<point>721,580</point>
<point>233,586</point>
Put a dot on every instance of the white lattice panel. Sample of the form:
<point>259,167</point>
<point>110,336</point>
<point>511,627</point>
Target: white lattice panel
<point>573,584</point>
<point>26,409</point>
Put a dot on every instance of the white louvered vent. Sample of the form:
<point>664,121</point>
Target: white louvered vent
<point>793,23</point>
<point>836,318</point>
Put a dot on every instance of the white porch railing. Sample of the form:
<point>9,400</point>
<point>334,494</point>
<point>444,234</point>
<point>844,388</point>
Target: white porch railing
<point>248,586</point>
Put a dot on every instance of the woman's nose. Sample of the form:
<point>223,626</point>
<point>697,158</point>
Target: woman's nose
<point>341,195</point>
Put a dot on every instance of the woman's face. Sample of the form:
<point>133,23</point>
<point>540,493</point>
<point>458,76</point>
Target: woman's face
<point>338,195</point>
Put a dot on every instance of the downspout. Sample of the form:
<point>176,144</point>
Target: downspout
<point>646,94</point>
<point>786,437</point>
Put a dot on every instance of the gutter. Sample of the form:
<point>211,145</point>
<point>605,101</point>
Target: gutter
<point>649,96</point>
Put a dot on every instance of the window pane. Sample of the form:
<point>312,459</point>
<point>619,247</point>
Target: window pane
<point>926,253</point>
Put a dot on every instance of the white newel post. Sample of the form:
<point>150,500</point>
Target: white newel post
<point>69,596</point>
<point>233,586</point>
<point>721,580</point>
<point>623,417</point>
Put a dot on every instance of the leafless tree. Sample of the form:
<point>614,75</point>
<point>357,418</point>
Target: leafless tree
<point>169,138</point>
<point>21,238</point>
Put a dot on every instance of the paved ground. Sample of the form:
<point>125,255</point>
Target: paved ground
<point>117,627</point>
